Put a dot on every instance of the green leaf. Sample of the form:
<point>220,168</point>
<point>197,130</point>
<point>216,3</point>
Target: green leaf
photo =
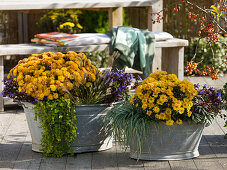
<point>57,119</point>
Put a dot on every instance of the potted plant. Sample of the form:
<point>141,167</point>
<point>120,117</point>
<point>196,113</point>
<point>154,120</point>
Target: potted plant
<point>65,98</point>
<point>165,118</point>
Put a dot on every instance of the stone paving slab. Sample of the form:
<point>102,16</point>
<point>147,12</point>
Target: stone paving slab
<point>16,152</point>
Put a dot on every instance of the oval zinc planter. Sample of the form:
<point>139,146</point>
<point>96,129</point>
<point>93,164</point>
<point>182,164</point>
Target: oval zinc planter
<point>90,126</point>
<point>165,142</point>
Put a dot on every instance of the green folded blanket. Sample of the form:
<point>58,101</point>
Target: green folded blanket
<point>136,48</point>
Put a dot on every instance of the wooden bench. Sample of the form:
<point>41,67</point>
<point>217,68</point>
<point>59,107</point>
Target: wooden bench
<point>171,52</point>
<point>169,55</point>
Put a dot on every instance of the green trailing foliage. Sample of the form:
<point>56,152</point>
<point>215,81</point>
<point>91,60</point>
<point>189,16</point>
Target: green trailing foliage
<point>58,121</point>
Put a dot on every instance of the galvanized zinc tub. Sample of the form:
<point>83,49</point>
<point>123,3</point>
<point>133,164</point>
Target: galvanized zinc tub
<point>164,142</point>
<point>92,136</point>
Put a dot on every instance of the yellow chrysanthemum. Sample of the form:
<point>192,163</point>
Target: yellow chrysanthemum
<point>181,110</point>
<point>55,95</point>
<point>189,114</point>
<point>156,109</point>
<point>149,112</point>
<point>144,106</point>
<point>50,97</point>
<point>168,111</point>
<point>162,116</point>
<point>179,122</point>
<point>132,99</point>
<point>165,93</point>
<point>169,122</point>
<point>40,75</point>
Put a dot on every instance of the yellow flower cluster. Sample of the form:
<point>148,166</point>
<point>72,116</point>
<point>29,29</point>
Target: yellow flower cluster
<point>70,24</point>
<point>52,74</point>
<point>164,97</point>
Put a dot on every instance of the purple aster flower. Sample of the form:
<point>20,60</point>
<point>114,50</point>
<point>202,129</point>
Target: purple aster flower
<point>201,92</point>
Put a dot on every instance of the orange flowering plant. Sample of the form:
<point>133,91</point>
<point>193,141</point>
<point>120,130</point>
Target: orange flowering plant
<point>50,75</point>
<point>164,97</point>
<point>56,83</point>
<point>46,80</point>
<point>209,22</point>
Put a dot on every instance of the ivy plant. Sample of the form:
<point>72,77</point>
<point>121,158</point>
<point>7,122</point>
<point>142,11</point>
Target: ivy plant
<point>58,121</point>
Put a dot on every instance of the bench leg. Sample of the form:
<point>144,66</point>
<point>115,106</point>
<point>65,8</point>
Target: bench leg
<point>173,61</point>
<point>157,61</point>
<point>115,17</point>
<point>1,83</point>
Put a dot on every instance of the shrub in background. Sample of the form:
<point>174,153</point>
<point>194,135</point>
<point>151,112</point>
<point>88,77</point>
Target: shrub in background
<point>61,20</point>
<point>75,21</point>
<point>94,21</point>
<point>215,56</point>
<point>98,58</point>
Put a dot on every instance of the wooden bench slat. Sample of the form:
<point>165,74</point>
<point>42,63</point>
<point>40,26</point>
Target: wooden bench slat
<point>26,49</point>
<point>31,48</point>
<point>57,4</point>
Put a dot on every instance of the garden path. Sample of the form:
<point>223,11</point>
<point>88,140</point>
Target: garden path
<point>16,152</point>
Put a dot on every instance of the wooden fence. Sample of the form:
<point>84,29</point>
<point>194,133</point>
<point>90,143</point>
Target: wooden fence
<point>175,23</point>
<point>18,27</point>
<point>178,24</point>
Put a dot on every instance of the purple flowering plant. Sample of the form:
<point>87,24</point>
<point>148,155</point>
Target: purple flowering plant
<point>11,91</point>
<point>224,95</point>
<point>119,83</point>
<point>206,105</point>
<point>223,92</point>
<point>110,86</point>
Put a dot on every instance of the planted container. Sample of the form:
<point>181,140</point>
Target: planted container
<point>92,135</point>
<point>163,142</point>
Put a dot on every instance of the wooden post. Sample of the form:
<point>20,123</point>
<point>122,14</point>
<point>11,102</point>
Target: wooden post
<point>1,83</point>
<point>22,27</point>
<point>155,8</point>
<point>25,27</point>
<point>115,17</point>
<point>157,61</point>
<point>174,61</point>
